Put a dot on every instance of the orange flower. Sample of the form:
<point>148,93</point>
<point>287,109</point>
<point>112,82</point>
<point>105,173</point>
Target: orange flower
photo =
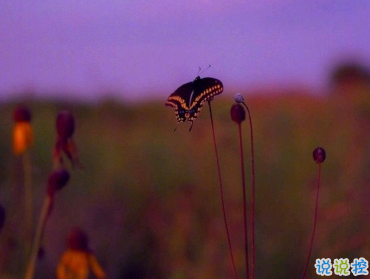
<point>22,137</point>
<point>76,264</point>
<point>78,260</point>
<point>22,130</point>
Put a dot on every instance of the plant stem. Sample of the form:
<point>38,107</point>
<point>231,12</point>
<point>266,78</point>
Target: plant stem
<point>38,237</point>
<point>222,193</point>
<point>244,203</point>
<point>27,172</point>
<point>314,222</point>
<point>253,198</point>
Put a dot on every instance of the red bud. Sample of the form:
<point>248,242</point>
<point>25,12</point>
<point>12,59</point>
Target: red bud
<point>57,180</point>
<point>65,124</point>
<point>319,155</point>
<point>237,113</point>
<point>22,114</point>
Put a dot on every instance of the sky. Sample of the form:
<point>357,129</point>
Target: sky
<point>138,49</point>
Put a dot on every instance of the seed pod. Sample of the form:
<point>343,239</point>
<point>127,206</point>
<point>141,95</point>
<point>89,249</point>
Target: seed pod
<point>22,114</point>
<point>65,124</point>
<point>57,180</point>
<point>239,98</point>
<point>319,155</point>
<point>237,113</point>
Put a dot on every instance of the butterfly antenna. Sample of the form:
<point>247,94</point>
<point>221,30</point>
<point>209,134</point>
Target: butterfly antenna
<point>200,70</point>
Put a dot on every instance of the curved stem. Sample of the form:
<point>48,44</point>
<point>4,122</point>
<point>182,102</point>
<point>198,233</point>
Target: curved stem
<point>38,237</point>
<point>314,222</point>
<point>222,192</point>
<point>244,203</point>
<point>253,198</point>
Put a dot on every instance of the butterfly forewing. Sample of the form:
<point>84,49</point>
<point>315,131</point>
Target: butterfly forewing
<point>205,89</point>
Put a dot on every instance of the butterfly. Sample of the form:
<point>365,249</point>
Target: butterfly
<point>189,98</point>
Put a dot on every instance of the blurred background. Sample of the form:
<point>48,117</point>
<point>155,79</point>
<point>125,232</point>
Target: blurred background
<point>148,197</point>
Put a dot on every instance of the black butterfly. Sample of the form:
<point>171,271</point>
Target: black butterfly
<point>189,98</point>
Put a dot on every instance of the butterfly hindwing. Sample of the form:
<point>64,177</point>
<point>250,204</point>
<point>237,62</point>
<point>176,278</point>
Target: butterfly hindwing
<point>204,90</point>
<point>179,100</point>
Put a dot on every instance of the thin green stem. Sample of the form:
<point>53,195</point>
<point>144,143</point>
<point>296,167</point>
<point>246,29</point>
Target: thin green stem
<point>314,221</point>
<point>244,203</point>
<point>38,237</point>
<point>222,192</point>
<point>28,205</point>
<point>253,198</point>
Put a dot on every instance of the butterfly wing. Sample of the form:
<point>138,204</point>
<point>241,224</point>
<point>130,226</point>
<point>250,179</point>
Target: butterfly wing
<point>180,100</point>
<point>204,90</point>
<point>189,98</point>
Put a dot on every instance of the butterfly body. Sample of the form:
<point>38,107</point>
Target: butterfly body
<point>189,98</point>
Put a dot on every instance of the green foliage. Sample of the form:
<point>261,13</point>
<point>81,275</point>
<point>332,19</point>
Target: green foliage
<point>149,198</point>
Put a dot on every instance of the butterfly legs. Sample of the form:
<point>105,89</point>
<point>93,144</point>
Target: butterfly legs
<point>191,126</point>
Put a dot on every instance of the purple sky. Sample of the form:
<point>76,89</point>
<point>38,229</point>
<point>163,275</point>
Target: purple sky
<point>139,48</point>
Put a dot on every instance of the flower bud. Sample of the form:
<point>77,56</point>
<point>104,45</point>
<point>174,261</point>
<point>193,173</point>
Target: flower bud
<point>78,240</point>
<point>237,113</point>
<point>41,253</point>
<point>319,155</point>
<point>65,124</point>
<point>22,114</point>
<point>57,180</point>
<point>238,98</point>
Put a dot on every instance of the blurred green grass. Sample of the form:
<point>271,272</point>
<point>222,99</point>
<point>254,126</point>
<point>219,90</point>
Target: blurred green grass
<point>149,197</point>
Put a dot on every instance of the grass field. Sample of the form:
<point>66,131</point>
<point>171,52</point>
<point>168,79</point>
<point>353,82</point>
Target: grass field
<point>149,199</point>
